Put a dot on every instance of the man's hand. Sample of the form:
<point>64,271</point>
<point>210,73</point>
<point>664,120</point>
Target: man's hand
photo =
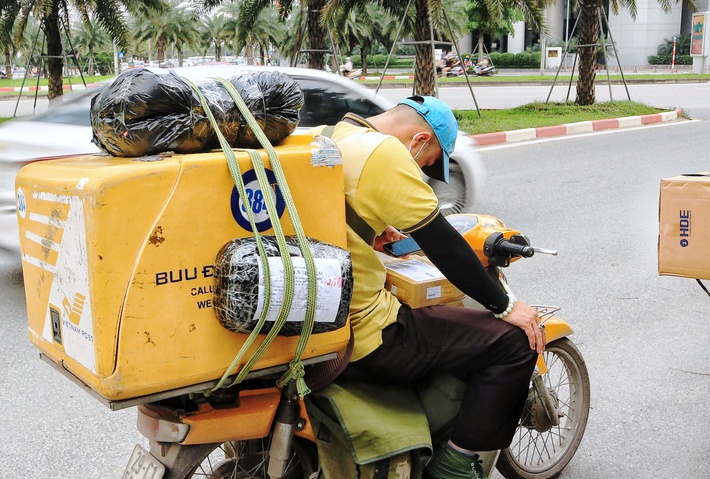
<point>527,319</point>
<point>389,235</point>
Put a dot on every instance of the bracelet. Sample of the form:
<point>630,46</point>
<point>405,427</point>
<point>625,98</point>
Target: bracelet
<point>511,303</point>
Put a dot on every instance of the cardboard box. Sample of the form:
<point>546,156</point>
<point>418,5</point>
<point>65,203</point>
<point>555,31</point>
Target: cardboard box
<point>684,226</point>
<point>418,283</point>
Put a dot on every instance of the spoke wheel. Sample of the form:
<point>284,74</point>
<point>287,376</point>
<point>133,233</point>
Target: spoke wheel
<point>540,450</point>
<point>452,196</point>
<point>243,460</point>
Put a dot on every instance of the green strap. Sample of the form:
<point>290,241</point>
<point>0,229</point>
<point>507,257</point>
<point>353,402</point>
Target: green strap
<point>239,183</point>
<point>296,367</point>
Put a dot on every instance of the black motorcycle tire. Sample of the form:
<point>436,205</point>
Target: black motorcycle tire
<point>453,197</point>
<point>543,455</point>
<point>240,459</point>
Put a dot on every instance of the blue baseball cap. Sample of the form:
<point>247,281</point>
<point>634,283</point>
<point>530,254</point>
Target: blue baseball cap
<point>445,127</point>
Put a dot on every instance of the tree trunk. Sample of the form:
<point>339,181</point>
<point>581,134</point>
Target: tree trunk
<point>8,61</point>
<point>217,52</point>
<point>589,35</point>
<point>55,59</point>
<point>295,54</point>
<point>316,34</point>
<point>249,51</point>
<point>481,37</point>
<point>425,71</point>
<point>365,50</point>
<point>161,49</point>
<point>90,71</point>
<point>179,55</point>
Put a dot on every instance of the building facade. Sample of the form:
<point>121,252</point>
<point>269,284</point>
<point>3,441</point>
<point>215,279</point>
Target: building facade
<point>635,39</point>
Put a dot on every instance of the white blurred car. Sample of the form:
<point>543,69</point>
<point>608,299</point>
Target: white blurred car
<point>65,130</point>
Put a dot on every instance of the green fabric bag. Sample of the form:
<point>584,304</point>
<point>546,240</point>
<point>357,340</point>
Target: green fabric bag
<point>363,428</point>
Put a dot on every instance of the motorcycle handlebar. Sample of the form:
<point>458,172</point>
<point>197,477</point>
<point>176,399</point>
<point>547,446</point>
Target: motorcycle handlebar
<point>505,247</point>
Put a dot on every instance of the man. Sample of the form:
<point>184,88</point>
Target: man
<point>493,351</point>
<point>347,67</point>
<point>482,65</point>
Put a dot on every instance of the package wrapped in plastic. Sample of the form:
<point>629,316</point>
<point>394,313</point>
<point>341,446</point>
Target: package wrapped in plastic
<point>239,293</point>
<point>143,112</point>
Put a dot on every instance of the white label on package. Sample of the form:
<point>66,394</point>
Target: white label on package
<point>433,293</point>
<point>329,281</point>
<point>415,270</point>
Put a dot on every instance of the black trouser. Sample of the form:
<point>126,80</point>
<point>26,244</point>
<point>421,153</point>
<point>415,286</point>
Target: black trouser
<point>493,357</point>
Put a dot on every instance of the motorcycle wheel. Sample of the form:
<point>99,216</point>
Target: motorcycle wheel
<point>241,460</point>
<point>452,197</point>
<point>541,451</point>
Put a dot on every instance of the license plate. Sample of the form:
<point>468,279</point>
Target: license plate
<point>142,465</point>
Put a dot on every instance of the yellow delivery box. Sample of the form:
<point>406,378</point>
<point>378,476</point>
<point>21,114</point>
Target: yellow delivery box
<point>119,255</point>
<point>684,226</point>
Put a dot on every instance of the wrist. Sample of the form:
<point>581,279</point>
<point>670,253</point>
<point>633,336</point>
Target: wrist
<point>508,309</point>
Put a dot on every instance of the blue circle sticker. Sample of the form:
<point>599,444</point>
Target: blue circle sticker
<point>256,199</point>
<point>21,203</point>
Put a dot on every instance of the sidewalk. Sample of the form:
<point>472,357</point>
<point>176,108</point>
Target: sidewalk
<point>513,136</point>
<point>44,88</point>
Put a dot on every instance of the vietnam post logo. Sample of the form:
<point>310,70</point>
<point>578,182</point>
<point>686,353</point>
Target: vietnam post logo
<point>256,199</point>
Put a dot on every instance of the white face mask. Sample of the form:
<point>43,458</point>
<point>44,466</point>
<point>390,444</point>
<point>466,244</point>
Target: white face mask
<point>420,150</point>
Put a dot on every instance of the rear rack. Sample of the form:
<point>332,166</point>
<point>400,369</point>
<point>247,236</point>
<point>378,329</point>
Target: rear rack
<point>136,401</point>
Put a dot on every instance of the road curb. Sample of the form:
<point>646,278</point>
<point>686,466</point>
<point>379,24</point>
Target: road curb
<point>513,136</point>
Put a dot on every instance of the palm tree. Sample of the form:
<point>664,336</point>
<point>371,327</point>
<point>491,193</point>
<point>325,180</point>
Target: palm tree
<point>265,31</point>
<point>22,47</point>
<point>423,17</point>
<point>290,45</point>
<point>86,39</point>
<point>186,32</point>
<point>356,27</point>
<point>217,30</point>
<point>495,17</point>
<point>165,26</point>
<point>315,30</point>
<point>53,16</point>
<point>589,35</point>
<point>9,10</point>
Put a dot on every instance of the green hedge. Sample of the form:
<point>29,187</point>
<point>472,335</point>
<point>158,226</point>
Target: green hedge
<point>379,61</point>
<point>515,60</point>
<point>665,59</point>
<point>508,60</point>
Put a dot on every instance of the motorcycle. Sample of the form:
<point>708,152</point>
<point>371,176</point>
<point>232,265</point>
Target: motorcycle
<point>255,429</point>
<point>480,70</point>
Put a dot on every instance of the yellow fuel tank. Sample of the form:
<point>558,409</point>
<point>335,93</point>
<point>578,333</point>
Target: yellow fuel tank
<point>118,258</point>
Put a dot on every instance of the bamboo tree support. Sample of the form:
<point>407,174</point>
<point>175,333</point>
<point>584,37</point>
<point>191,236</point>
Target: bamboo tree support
<point>432,42</point>
<point>463,64</point>
<point>616,55</point>
<point>40,66</point>
<point>606,61</point>
<point>334,53</point>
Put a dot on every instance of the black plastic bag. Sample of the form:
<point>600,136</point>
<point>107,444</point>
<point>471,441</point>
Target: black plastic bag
<point>238,293</point>
<point>143,112</point>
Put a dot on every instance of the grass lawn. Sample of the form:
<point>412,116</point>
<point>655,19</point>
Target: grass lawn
<point>546,114</point>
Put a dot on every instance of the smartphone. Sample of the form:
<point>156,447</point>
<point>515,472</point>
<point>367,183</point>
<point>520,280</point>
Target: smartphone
<point>401,247</point>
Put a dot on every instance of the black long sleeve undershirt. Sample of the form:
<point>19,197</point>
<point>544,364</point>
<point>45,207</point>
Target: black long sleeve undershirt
<point>450,253</point>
